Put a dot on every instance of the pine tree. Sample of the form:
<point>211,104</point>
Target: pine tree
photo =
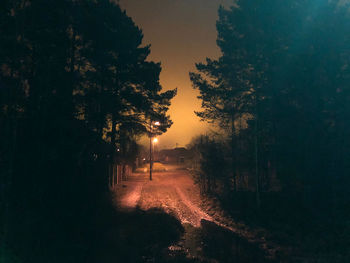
<point>283,67</point>
<point>75,86</point>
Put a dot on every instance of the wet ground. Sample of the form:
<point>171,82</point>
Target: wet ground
<point>166,217</point>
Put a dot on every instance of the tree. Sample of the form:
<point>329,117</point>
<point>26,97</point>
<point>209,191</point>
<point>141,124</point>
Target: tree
<point>132,91</point>
<point>283,67</point>
<point>75,85</point>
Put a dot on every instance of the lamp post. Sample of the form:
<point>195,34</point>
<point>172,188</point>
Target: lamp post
<point>151,148</point>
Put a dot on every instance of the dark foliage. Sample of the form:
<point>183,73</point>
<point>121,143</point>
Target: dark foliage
<point>76,90</point>
<point>280,94</point>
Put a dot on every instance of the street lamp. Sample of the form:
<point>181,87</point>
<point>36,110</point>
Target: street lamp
<point>151,142</point>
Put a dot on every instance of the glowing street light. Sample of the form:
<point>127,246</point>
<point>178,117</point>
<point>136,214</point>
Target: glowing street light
<point>151,142</point>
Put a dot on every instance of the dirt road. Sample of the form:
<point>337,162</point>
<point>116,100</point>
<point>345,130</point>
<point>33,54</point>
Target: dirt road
<point>172,191</point>
<point>204,239</point>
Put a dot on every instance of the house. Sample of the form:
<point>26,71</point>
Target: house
<point>177,155</point>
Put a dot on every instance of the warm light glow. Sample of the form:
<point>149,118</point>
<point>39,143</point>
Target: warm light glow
<point>155,140</point>
<point>167,33</point>
<point>157,123</point>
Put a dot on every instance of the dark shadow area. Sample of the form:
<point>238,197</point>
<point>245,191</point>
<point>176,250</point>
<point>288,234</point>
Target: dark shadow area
<point>145,236</point>
<point>108,236</point>
<point>56,101</point>
<point>155,236</point>
<point>225,246</point>
<point>318,232</point>
<point>137,236</point>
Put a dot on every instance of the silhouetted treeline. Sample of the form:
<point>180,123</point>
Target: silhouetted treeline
<point>280,95</point>
<point>75,92</point>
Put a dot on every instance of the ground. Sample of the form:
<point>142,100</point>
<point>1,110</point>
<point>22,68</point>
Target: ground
<point>204,235</point>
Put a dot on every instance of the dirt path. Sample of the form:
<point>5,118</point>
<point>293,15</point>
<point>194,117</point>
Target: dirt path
<point>175,193</point>
<point>166,191</point>
<point>130,199</point>
<point>197,213</point>
<point>172,191</point>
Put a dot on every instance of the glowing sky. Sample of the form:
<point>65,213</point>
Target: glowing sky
<point>181,33</point>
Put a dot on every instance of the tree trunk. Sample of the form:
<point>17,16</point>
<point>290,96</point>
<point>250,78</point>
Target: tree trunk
<point>256,157</point>
<point>233,152</point>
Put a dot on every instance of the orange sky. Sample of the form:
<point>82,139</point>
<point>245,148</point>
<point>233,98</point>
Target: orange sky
<point>181,33</point>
